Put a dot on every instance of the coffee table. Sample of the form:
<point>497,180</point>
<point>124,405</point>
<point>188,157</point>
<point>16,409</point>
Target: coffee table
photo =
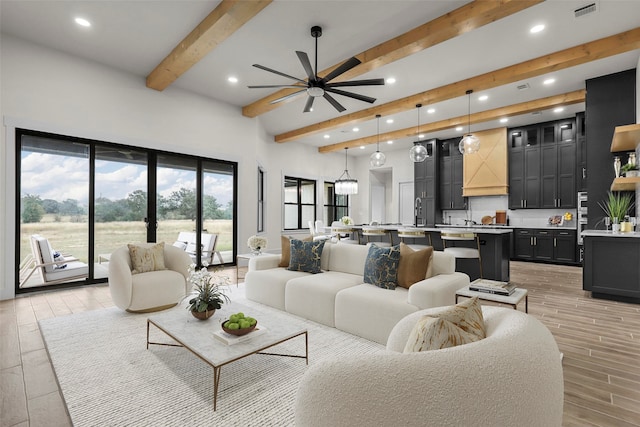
<point>197,336</point>
<point>513,300</point>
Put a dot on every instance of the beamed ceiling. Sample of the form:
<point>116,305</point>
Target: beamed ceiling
<point>435,50</point>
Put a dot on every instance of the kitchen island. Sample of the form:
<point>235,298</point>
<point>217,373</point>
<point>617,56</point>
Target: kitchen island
<point>612,265</point>
<point>495,244</point>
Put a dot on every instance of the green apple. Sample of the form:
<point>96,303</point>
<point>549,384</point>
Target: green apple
<point>232,325</point>
<point>252,321</point>
<point>234,318</point>
<point>244,324</point>
<point>240,315</point>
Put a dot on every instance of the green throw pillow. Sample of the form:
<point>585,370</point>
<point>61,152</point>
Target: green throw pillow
<point>306,256</point>
<point>381,266</point>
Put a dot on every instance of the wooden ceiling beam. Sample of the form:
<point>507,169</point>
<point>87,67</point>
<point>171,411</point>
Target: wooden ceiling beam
<point>480,117</point>
<point>462,20</point>
<point>223,21</point>
<point>577,55</point>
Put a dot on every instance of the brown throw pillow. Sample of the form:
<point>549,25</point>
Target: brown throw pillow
<point>459,324</point>
<point>285,244</point>
<point>147,259</point>
<point>413,265</point>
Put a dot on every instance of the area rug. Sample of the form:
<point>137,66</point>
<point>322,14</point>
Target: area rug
<point>108,378</point>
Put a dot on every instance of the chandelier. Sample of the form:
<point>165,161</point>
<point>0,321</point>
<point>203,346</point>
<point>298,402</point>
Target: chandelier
<point>345,184</point>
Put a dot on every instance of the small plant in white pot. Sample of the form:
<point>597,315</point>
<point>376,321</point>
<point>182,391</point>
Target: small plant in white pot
<point>630,170</point>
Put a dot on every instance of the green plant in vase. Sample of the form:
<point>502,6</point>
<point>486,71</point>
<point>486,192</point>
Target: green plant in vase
<point>617,206</point>
<point>207,294</point>
<point>629,170</point>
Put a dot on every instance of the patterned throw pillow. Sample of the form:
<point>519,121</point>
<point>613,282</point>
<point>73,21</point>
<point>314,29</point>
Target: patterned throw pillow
<point>147,259</point>
<point>285,245</point>
<point>413,265</point>
<point>381,266</point>
<point>306,256</point>
<point>459,324</point>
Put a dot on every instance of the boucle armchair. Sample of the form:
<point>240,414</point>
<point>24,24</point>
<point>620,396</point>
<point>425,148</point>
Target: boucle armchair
<point>511,378</point>
<point>150,291</point>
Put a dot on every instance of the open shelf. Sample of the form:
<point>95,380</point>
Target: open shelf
<point>625,184</point>
<point>625,138</point>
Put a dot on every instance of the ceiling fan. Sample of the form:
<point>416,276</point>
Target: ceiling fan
<point>321,87</point>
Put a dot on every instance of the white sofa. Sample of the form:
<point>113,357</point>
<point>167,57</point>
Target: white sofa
<point>338,297</point>
<point>513,377</point>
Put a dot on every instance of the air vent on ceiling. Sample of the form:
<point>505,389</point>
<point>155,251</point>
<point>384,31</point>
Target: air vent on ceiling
<point>586,10</point>
<point>523,86</point>
<point>537,113</point>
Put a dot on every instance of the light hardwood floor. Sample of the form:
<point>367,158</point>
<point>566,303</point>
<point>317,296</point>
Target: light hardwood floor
<point>600,340</point>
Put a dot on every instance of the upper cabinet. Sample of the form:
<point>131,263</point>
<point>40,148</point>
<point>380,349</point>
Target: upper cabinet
<point>625,138</point>
<point>426,185</point>
<point>451,177</point>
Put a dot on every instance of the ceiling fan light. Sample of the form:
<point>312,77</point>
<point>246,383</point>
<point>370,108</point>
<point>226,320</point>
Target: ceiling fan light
<point>469,144</point>
<point>377,159</point>
<point>315,91</point>
<point>418,153</point>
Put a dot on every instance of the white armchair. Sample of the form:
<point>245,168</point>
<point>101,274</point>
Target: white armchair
<point>151,291</point>
<point>513,377</point>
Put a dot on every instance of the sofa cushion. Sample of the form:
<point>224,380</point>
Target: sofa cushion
<point>268,286</point>
<point>144,259</point>
<point>457,325</point>
<point>381,266</point>
<point>413,265</point>
<point>285,245</point>
<point>347,258</point>
<point>306,256</point>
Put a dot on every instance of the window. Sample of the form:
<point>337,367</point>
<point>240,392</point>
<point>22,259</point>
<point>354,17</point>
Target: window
<point>299,203</point>
<point>261,188</point>
<point>336,205</point>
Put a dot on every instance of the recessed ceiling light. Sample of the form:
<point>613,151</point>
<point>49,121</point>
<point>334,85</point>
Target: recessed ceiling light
<point>390,141</point>
<point>421,135</point>
<point>558,110</point>
<point>483,97</point>
<point>431,110</point>
<point>390,80</point>
<point>327,136</point>
<point>459,128</point>
<point>504,120</point>
<point>232,79</point>
<point>362,147</point>
<point>83,22</point>
<point>355,129</point>
<point>549,81</point>
<point>389,121</point>
<point>536,28</point>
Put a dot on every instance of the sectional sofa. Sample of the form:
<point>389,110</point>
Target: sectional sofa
<point>338,297</point>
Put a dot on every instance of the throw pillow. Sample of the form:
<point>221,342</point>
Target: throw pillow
<point>286,249</point>
<point>306,256</point>
<point>58,258</point>
<point>381,266</point>
<point>180,245</point>
<point>459,324</point>
<point>413,265</point>
<point>147,259</point>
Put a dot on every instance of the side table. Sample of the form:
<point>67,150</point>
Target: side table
<point>247,256</point>
<point>513,300</point>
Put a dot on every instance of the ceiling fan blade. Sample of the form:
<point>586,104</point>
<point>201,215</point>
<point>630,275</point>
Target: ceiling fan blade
<point>309,104</point>
<point>304,60</point>
<point>352,95</point>
<point>291,95</point>
<point>274,86</point>
<point>333,102</point>
<point>368,82</point>
<point>262,67</point>
<point>346,66</point>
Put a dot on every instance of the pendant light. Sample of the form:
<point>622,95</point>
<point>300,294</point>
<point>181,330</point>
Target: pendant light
<point>469,143</point>
<point>418,152</point>
<point>345,184</point>
<point>377,159</point>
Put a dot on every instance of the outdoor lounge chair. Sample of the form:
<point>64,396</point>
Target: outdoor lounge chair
<point>187,242</point>
<point>52,267</point>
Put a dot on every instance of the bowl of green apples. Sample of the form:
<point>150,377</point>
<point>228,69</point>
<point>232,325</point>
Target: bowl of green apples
<point>239,324</point>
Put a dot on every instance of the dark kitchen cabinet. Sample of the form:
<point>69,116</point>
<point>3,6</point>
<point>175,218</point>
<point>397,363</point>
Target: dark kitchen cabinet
<point>546,245</point>
<point>524,167</point>
<point>426,186</point>
<point>581,153</point>
<point>451,175</point>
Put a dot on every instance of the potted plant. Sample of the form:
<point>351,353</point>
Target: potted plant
<point>207,294</point>
<point>629,170</point>
<point>616,207</point>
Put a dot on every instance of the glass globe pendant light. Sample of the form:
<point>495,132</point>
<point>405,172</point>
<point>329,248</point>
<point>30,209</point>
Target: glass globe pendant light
<point>418,152</point>
<point>345,184</point>
<point>469,143</point>
<point>377,159</point>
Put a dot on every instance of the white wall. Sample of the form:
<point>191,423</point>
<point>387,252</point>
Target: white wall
<point>46,90</point>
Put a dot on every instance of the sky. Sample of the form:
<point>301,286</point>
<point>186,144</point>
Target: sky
<point>65,177</point>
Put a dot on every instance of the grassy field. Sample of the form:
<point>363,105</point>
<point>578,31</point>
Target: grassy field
<point>72,237</point>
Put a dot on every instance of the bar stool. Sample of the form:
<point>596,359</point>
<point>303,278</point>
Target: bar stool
<point>369,232</point>
<point>338,228</point>
<point>459,251</point>
<point>413,233</point>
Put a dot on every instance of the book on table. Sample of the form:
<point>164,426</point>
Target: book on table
<point>493,287</point>
<point>234,339</point>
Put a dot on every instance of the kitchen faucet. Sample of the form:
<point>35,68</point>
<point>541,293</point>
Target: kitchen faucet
<point>417,206</point>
